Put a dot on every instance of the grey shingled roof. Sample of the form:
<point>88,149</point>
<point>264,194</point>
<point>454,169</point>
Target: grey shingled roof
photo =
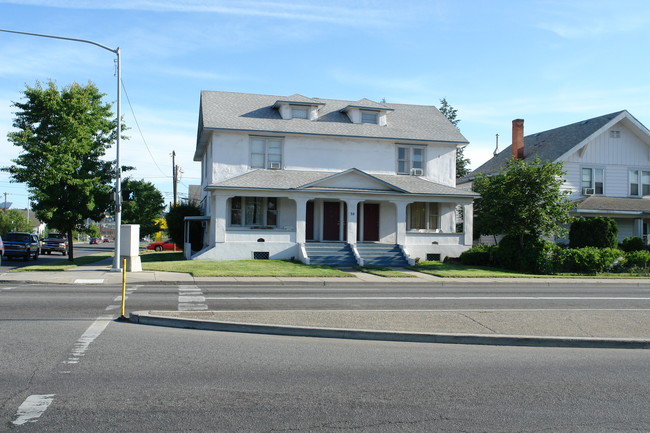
<point>548,145</point>
<point>255,113</point>
<point>308,180</point>
<point>620,204</point>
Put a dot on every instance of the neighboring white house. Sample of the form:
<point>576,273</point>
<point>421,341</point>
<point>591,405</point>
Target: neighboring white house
<point>607,164</point>
<point>281,176</point>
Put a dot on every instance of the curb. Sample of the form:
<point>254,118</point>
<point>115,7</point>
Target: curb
<point>144,318</point>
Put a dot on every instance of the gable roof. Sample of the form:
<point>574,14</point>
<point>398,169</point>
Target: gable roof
<point>294,180</point>
<point>555,144</point>
<point>248,112</point>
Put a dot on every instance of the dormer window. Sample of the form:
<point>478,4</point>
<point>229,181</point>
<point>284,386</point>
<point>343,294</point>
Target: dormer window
<point>298,107</point>
<point>370,117</point>
<point>299,112</point>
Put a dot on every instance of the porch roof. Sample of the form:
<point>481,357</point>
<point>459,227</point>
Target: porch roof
<point>294,180</point>
<point>614,204</point>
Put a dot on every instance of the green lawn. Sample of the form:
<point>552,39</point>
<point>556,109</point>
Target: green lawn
<point>62,265</point>
<point>174,262</point>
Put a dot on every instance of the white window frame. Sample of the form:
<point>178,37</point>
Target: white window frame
<point>642,182</point>
<point>266,213</point>
<point>409,160</point>
<point>432,213</point>
<point>593,181</point>
<point>268,157</point>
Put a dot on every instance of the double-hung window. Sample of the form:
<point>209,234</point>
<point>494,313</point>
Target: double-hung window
<point>639,181</point>
<point>593,179</point>
<point>423,216</point>
<point>254,211</point>
<point>266,152</point>
<point>299,112</point>
<point>410,160</point>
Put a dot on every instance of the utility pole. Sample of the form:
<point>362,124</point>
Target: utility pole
<point>4,205</point>
<point>175,178</point>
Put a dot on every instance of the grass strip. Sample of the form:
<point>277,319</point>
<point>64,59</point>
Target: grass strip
<point>174,262</point>
<point>383,272</point>
<point>62,265</point>
<point>452,270</point>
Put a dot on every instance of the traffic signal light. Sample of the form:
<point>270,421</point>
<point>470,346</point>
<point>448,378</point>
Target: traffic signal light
<point>128,195</point>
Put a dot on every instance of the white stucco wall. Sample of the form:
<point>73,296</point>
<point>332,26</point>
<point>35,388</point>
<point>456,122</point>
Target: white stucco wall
<point>231,156</point>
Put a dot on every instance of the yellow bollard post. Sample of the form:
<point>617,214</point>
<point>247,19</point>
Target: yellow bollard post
<point>123,287</point>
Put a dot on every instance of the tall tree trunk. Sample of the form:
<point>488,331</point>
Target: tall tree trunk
<point>70,246</point>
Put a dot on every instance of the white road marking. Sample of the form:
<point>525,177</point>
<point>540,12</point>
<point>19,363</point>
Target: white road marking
<point>7,288</point>
<point>81,346</point>
<point>32,408</point>
<point>190,298</point>
<point>89,281</point>
<point>429,298</point>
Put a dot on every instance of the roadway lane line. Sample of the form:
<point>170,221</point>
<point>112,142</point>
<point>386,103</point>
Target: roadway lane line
<point>32,408</point>
<point>425,298</point>
<point>81,345</point>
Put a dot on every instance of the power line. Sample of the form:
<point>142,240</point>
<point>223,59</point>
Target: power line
<point>140,130</point>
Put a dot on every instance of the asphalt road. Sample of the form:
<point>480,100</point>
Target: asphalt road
<point>68,366</point>
<point>80,250</point>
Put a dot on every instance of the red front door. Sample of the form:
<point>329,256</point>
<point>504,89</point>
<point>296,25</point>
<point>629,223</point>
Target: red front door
<point>371,222</point>
<point>331,221</point>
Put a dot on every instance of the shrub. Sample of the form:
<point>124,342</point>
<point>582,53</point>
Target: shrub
<point>633,244</point>
<point>599,232</point>
<point>587,260</point>
<point>536,255</point>
<point>176,225</point>
<point>480,255</point>
<point>638,258</point>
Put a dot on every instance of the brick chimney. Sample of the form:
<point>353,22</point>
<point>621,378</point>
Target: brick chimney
<point>518,139</point>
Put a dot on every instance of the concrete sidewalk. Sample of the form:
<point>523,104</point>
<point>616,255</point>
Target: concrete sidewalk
<point>548,328</point>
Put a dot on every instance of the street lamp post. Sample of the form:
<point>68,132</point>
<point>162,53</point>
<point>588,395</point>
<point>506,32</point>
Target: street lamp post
<point>118,169</point>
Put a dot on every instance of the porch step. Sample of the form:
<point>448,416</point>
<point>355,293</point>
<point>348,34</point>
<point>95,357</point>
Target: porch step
<point>386,255</point>
<point>331,254</point>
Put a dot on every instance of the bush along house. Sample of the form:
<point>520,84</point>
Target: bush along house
<point>327,181</point>
<point>607,165</point>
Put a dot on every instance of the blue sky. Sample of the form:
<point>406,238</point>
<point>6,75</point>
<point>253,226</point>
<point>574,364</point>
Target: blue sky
<point>549,62</point>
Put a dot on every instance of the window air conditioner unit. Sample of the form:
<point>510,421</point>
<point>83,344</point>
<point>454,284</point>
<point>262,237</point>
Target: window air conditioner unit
<point>417,172</point>
<point>587,191</point>
<point>275,166</point>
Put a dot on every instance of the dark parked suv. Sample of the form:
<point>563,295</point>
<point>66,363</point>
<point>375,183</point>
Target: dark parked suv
<point>25,245</point>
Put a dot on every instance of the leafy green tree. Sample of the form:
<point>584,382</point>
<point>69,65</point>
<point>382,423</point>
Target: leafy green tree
<point>12,220</point>
<point>64,134</point>
<point>94,231</point>
<point>524,200</point>
<point>176,224</point>
<point>146,207</point>
<point>462,163</point>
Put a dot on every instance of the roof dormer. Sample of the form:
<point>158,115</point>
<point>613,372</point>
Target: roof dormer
<point>298,107</point>
<point>367,111</point>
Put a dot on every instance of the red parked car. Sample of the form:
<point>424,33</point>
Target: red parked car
<point>167,245</point>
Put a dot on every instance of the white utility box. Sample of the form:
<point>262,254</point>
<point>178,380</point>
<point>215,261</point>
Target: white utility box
<point>130,247</point>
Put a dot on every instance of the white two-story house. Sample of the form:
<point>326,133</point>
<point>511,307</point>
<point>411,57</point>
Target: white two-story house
<point>328,181</point>
<point>607,164</point>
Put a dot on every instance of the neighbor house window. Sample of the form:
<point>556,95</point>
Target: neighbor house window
<point>369,117</point>
<point>266,152</point>
<point>639,182</point>
<point>254,211</point>
<point>410,160</point>
<point>593,178</point>
<point>423,216</point>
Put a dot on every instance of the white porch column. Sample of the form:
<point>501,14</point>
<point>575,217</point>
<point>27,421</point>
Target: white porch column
<point>212,206</point>
<point>353,219</point>
<point>638,227</point>
<point>301,219</point>
<point>401,221</point>
<point>220,218</point>
<point>468,223</point>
